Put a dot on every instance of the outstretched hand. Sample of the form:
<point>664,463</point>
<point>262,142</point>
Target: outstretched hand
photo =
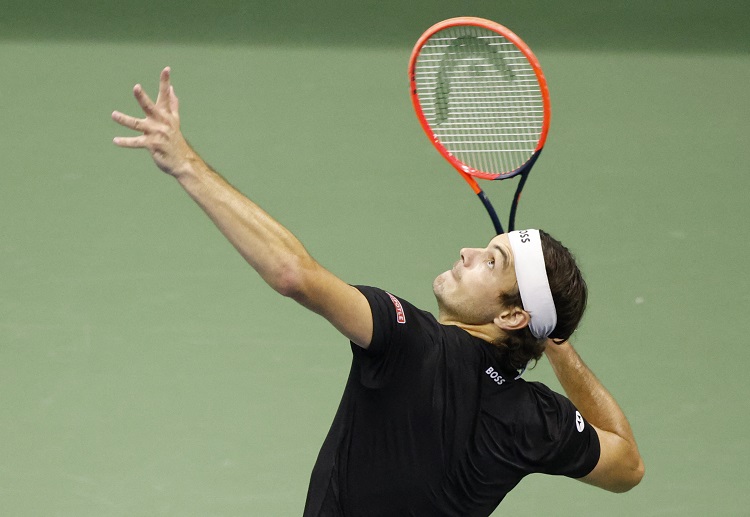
<point>160,128</point>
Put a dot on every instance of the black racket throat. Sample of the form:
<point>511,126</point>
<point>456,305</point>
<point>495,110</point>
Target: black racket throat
<point>523,172</point>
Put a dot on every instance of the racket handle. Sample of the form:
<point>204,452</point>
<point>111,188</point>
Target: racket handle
<point>490,210</point>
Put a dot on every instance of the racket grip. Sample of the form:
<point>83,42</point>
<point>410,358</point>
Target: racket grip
<point>490,210</point>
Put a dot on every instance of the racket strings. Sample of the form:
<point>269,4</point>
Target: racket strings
<point>481,98</point>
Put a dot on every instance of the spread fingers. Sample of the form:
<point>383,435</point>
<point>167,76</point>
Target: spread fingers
<point>129,122</point>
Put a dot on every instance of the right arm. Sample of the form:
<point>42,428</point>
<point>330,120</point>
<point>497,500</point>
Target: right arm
<point>271,249</point>
<point>277,255</point>
<point>620,466</point>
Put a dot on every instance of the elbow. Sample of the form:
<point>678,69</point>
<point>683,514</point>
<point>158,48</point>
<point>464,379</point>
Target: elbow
<point>632,478</point>
<point>289,279</point>
<point>637,474</point>
<point>287,282</point>
<point>618,475</point>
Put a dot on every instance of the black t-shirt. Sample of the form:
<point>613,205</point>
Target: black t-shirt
<point>432,423</point>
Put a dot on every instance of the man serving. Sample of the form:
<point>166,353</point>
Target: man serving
<point>435,419</point>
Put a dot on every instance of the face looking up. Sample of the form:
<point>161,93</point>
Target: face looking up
<point>470,292</point>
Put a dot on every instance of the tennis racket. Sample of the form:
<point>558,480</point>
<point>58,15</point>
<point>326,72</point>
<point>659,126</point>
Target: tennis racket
<point>481,97</point>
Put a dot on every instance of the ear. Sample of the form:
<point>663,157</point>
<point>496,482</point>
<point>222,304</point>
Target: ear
<point>512,318</point>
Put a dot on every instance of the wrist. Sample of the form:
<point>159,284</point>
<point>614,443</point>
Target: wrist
<point>191,167</point>
<point>555,349</point>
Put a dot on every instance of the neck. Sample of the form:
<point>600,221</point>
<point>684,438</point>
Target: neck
<point>488,332</point>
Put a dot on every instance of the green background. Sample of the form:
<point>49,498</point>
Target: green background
<point>146,370</point>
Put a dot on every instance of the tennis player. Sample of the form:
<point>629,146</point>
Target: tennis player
<point>435,419</point>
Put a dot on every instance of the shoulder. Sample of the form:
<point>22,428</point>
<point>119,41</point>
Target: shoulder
<point>542,415</point>
<point>397,323</point>
<point>395,306</point>
<point>395,312</point>
<point>562,441</point>
<point>544,406</point>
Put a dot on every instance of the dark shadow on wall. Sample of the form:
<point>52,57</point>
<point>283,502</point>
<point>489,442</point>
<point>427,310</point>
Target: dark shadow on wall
<point>658,25</point>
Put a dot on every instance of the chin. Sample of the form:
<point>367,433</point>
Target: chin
<point>439,283</point>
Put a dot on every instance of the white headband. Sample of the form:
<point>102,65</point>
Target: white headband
<point>533,284</point>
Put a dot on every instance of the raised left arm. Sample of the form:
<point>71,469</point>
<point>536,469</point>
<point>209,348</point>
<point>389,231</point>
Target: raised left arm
<point>620,465</point>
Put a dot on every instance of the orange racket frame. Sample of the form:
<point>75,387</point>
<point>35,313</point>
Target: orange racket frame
<point>467,172</point>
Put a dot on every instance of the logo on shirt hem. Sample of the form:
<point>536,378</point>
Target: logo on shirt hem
<point>400,316</point>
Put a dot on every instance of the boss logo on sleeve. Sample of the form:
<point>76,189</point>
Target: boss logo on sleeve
<point>400,316</point>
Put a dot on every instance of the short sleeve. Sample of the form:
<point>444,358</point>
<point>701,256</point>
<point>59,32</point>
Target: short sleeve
<point>577,450</point>
<point>398,327</point>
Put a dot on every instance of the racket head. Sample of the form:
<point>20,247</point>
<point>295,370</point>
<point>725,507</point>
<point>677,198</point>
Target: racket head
<point>481,97</point>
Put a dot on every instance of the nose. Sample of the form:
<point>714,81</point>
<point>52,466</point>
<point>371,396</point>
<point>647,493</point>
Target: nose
<point>467,255</point>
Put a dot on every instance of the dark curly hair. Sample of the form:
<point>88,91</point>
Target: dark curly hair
<point>569,293</point>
